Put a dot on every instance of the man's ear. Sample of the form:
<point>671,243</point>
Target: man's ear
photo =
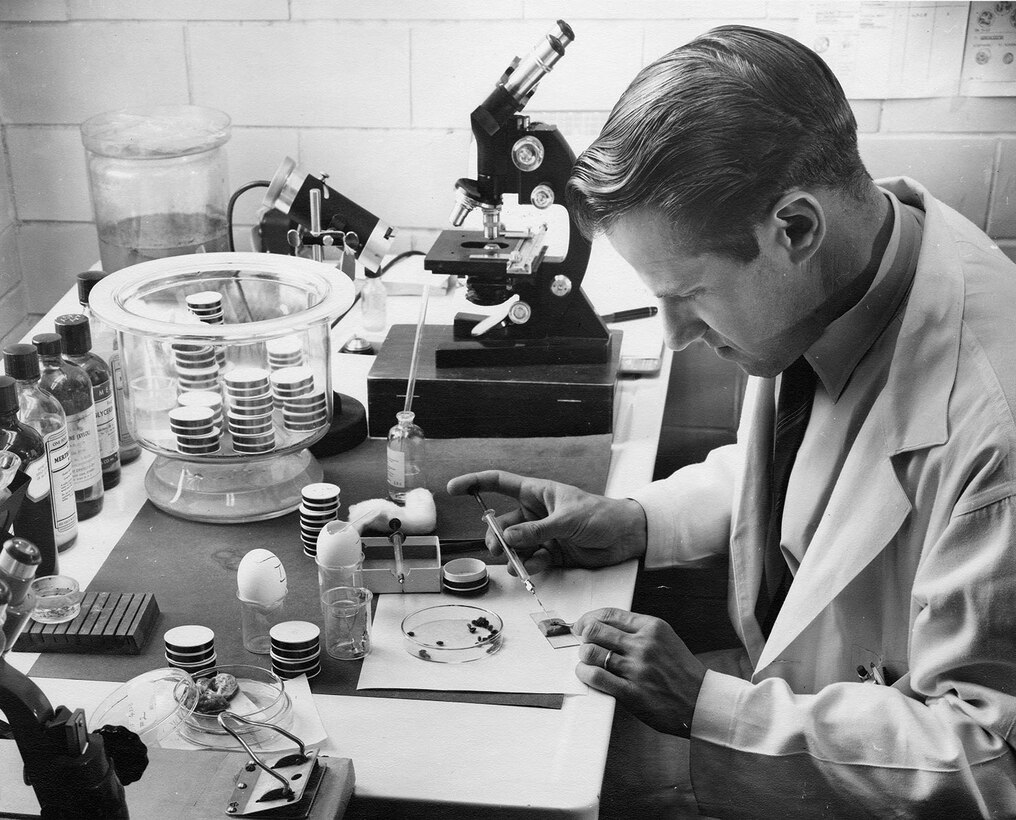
<point>796,225</point>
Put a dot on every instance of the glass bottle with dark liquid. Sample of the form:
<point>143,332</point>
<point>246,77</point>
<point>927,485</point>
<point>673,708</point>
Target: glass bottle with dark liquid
<point>106,347</point>
<point>73,389</point>
<point>48,516</point>
<point>76,344</point>
<point>27,444</point>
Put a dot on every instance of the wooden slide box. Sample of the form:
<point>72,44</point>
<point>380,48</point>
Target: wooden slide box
<point>109,623</point>
<point>512,401</point>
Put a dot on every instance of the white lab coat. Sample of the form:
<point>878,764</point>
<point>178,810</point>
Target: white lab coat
<point>913,566</point>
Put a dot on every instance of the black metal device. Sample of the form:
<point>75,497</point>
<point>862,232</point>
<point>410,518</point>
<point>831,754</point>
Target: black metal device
<point>65,764</point>
<point>548,320</point>
<point>301,209</point>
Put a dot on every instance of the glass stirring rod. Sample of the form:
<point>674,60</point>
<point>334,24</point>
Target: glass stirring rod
<point>513,559</point>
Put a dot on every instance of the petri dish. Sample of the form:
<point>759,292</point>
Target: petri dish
<point>153,705</point>
<point>261,697</point>
<point>452,633</point>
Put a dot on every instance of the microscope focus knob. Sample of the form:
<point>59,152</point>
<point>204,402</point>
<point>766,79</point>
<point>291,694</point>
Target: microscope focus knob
<point>542,196</point>
<point>560,285</point>
<point>520,313</point>
<point>527,154</point>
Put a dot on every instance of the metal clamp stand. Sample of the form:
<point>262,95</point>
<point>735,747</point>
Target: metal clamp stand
<point>257,793</point>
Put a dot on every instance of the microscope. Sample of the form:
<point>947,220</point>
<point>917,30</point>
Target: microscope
<point>547,318</point>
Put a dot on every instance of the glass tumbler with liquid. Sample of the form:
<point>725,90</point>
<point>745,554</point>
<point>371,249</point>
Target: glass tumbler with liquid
<point>158,181</point>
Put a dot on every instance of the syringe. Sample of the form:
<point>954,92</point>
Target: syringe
<point>513,558</point>
<point>396,539</point>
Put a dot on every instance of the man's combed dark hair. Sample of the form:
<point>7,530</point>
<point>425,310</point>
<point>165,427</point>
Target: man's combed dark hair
<point>713,133</point>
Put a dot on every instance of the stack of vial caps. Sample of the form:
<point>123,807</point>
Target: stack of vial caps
<point>304,407</point>
<point>190,647</point>
<point>249,410</point>
<point>320,505</point>
<point>295,649</point>
<point>284,352</point>
<point>196,366</point>
<point>203,398</point>
<point>207,306</point>
<point>195,429</point>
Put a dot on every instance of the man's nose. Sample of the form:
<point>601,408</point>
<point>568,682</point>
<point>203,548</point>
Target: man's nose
<point>681,325</point>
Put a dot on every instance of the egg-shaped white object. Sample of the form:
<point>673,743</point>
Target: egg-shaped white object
<point>338,545</point>
<point>261,578</point>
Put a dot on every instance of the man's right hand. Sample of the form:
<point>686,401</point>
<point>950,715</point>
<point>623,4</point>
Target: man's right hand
<point>558,524</point>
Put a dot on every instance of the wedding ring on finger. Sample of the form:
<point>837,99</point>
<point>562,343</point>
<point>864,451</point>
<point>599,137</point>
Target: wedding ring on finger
<point>606,659</point>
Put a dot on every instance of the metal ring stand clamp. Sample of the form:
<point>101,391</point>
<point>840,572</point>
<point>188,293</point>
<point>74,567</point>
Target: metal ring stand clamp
<point>287,790</point>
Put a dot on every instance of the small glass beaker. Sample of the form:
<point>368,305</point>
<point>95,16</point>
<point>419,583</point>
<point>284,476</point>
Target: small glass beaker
<point>256,621</point>
<point>347,622</point>
<point>158,180</point>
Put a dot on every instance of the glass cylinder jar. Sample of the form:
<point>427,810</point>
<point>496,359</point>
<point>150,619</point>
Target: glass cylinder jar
<point>158,180</point>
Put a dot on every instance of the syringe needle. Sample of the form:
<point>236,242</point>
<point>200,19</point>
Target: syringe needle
<point>513,558</point>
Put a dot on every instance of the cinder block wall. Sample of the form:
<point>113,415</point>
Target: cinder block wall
<point>378,95</point>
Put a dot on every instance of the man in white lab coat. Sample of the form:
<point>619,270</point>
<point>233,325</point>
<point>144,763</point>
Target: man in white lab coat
<point>874,589</point>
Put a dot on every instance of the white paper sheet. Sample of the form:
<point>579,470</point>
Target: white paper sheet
<point>526,662</point>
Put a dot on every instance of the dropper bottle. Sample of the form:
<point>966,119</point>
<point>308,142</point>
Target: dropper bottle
<point>407,444</point>
<point>407,447</point>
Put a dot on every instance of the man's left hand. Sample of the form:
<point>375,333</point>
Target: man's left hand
<point>642,662</point>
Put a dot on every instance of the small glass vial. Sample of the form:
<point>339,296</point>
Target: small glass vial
<point>373,303</point>
<point>406,457</point>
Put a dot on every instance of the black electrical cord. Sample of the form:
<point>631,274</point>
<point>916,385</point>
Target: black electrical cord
<point>258,183</point>
<point>398,258</point>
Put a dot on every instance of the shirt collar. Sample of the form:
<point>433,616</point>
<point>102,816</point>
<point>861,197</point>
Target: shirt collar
<point>845,341</point>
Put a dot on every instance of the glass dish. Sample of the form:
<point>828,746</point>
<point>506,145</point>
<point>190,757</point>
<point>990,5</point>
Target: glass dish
<point>452,633</point>
<point>153,705</point>
<point>249,460</point>
<point>262,697</point>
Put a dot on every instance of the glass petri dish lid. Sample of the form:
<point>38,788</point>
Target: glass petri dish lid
<point>153,705</point>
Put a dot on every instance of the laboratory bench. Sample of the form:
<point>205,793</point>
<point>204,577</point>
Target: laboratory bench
<point>424,758</point>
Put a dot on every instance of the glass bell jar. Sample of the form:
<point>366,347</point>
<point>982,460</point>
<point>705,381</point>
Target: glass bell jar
<point>226,358</point>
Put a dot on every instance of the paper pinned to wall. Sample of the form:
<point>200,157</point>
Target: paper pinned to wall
<point>885,50</point>
<point>989,58</point>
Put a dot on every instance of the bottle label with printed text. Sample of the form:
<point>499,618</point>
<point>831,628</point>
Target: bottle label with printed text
<point>58,454</point>
<point>84,445</point>
<point>105,422</point>
<point>396,468</point>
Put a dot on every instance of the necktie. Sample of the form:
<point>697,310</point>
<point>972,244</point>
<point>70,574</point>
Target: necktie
<point>797,389</point>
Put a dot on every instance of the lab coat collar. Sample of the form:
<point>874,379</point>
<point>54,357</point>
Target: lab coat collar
<point>910,414</point>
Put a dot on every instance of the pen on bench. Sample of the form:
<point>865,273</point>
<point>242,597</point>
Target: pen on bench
<point>628,315</point>
<point>513,559</point>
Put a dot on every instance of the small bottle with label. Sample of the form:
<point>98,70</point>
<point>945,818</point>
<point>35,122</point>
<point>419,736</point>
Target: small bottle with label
<point>20,560</point>
<point>406,457</point>
<point>54,503</point>
<point>106,346</point>
<point>73,389</point>
<point>374,303</point>
<point>27,444</point>
<point>76,343</point>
